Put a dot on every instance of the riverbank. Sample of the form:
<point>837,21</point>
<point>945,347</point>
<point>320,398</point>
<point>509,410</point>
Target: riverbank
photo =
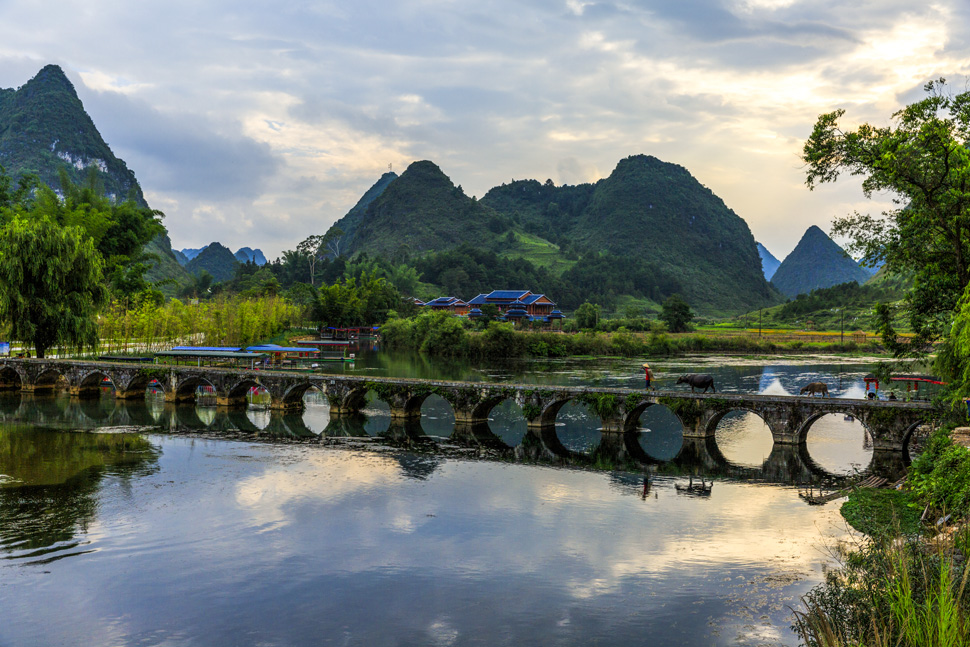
<point>908,584</point>
<point>443,335</point>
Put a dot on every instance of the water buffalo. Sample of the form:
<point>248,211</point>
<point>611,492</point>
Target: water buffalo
<point>698,380</point>
<point>815,387</point>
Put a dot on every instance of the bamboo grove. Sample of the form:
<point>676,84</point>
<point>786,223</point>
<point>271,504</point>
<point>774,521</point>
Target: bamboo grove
<point>236,321</point>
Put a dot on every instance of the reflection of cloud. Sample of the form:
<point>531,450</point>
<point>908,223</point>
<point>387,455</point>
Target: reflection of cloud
<point>563,515</point>
<point>325,476</point>
<point>773,387</point>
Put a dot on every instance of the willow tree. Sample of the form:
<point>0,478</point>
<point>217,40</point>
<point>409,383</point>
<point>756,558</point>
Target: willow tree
<point>921,160</point>
<point>51,284</point>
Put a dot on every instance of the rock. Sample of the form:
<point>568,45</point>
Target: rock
<point>961,436</point>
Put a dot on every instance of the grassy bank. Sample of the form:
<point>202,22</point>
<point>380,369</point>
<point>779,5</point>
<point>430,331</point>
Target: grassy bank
<point>444,335</point>
<point>908,583</point>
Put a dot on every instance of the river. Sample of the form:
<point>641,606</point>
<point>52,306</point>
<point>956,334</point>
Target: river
<point>179,526</point>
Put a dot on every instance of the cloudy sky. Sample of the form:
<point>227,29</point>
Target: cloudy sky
<point>261,123</point>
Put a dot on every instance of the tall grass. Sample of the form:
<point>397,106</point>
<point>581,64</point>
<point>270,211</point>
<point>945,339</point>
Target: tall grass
<point>899,594</point>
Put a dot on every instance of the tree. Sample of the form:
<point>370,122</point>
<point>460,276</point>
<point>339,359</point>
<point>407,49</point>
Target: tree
<point>311,249</point>
<point>676,314</point>
<point>587,316</point>
<point>923,161</point>
<point>51,284</point>
<point>332,239</point>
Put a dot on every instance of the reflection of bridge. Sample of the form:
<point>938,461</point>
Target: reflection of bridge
<point>786,464</point>
<point>789,418</point>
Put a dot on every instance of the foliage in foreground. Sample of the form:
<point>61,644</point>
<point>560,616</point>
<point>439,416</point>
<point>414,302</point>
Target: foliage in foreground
<point>922,159</point>
<point>940,476</point>
<point>882,513</point>
<point>888,595</point>
<point>51,284</point>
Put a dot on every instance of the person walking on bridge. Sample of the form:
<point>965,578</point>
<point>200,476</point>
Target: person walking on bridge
<point>647,374</point>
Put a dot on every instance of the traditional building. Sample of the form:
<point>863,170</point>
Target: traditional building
<point>453,305</point>
<point>534,305</point>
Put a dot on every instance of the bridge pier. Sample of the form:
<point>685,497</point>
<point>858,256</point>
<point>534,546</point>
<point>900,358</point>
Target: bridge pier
<point>131,394</point>
<point>283,406</point>
<point>231,402</point>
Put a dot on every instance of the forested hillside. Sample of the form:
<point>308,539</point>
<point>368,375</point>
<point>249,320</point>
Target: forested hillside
<point>45,131</point>
<point>215,259</point>
<point>421,211</point>
<point>816,262</point>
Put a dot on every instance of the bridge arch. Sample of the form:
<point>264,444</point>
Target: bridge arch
<point>653,432</point>
<point>139,383</point>
<point>237,392</point>
<point>837,446</point>
<point>48,379</point>
<point>579,432</point>
<point>482,410</point>
<point>11,378</point>
<point>908,434</point>
<point>293,394</point>
<point>185,389</point>
<point>437,416</point>
<point>92,380</point>
<point>547,417</point>
<point>741,441</point>
<point>505,420</point>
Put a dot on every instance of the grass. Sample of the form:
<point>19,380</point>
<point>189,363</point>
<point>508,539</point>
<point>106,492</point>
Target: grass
<point>896,594</point>
<point>882,513</point>
<point>539,252</point>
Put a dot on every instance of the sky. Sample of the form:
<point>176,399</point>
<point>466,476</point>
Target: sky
<point>258,124</point>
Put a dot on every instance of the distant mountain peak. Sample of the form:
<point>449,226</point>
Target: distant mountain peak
<point>53,74</point>
<point>217,260</point>
<point>246,254</point>
<point>769,264</point>
<point>44,128</point>
<point>816,262</point>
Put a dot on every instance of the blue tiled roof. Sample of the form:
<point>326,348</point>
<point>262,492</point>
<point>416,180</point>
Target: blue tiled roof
<point>444,301</point>
<point>507,294</point>
<point>276,348</point>
<point>228,349</point>
<point>479,300</point>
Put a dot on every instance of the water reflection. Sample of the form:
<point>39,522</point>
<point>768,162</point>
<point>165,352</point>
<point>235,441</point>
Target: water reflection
<point>288,542</point>
<point>278,545</point>
<point>836,446</point>
<point>49,482</point>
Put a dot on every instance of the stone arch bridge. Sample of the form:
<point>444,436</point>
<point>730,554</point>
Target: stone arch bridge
<point>789,418</point>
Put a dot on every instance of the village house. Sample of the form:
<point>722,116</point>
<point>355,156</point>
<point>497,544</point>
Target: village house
<point>517,306</point>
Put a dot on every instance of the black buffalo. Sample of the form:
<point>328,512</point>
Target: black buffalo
<point>697,380</point>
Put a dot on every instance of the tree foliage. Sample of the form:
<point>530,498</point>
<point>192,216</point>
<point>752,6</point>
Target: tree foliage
<point>923,161</point>
<point>676,314</point>
<point>119,230</point>
<point>51,284</point>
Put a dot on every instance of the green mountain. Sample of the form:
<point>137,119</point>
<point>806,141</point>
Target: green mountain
<point>420,211</point>
<point>650,217</point>
<point>215,259</point>
<point>816,262</point>
<point>45,130</point>
<point>350,222</point>
<point>655,211</point>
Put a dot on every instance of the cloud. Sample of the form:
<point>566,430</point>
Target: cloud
<point>276,120</point>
